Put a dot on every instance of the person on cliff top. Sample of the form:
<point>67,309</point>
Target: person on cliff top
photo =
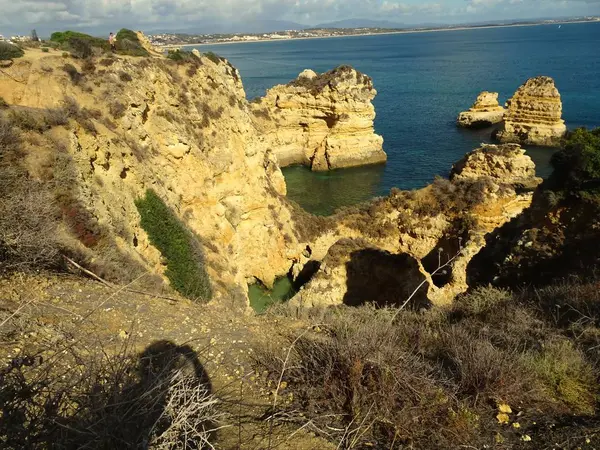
<point>112,40</point>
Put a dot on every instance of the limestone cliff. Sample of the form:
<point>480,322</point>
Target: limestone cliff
<point>322,121</point>
<point>421,241</point>
<point>534,115</point>
<point>485,112</point>
<point>180,129</point>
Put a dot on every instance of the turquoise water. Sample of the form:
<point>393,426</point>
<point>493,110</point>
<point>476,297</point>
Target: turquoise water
<point>424,80</point>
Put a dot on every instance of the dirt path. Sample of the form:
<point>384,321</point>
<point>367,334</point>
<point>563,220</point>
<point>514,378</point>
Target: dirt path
<point>57,309</point>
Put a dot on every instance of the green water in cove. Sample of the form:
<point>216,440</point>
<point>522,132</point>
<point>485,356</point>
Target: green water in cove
<point>261,298</point>
<point>423,81</point>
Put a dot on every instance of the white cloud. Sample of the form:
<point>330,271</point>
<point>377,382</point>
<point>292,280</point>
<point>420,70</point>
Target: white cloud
<point>152,14</point>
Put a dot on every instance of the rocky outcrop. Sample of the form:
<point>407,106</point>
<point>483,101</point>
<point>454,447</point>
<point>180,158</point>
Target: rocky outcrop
<point>534,115</point>
<point>354,273</point>
<point>426,238</point>
<point>506,163</point>
<point>485,112</point>
<point>322,121</point>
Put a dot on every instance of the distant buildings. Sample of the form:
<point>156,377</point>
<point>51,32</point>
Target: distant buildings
<point>20,38</point>
<point>172,40</point>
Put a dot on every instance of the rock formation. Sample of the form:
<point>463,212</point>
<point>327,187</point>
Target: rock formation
<point>485,112</point>
<point>506,163</point>
<point>181,130</point>
<point>534,115</point>
<point>322,121</point>
<point>427,237</point>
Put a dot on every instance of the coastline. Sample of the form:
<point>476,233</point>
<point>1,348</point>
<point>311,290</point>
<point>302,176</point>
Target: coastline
<point>408,31</point>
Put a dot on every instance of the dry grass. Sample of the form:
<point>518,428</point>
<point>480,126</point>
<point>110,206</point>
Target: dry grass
<point>371,377</point>
<point>28,212</point>
<point>74,396</point>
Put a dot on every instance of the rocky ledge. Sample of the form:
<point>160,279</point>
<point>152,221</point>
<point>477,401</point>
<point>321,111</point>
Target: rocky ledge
<point>322,121</point>
<point>485,112</point>
<point>415,247</point>
<point>534,115</point>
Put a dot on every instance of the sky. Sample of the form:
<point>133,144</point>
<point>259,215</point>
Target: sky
<point>20,16</point>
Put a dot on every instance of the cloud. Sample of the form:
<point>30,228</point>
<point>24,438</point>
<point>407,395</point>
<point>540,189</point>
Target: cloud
<point>172,14</point>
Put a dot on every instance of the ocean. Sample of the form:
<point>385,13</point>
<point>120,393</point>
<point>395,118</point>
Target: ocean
<point>423,81</point>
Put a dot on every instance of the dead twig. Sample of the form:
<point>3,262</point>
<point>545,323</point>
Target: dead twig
<point>115,286</point>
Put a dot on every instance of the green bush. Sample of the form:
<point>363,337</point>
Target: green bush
<point>578,163</point>
<point>181,249</point>
<point>214,57</point>
<point>64,37</point>
<point>3,103</point>
<point>45,49</point>
<point>182,55</point>
<point>9,51</point>
<point>80,48</point>
<point>128,43</point>
<point>79,44</point>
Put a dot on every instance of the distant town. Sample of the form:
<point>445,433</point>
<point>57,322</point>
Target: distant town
<point>176,40</point>
<point>173,40</point>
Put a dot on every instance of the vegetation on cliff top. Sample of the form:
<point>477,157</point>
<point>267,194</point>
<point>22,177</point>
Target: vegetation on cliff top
<point>9,51</point>
<point>577,165</point>
<point>128,43</point>
<point>82,45</point>
<point>181,249</point>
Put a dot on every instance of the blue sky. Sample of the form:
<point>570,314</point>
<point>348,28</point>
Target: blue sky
<point>23,15</point>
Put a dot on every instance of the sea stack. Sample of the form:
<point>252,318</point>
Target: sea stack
<point>534,115</point>
<point>485,112</point>
<point>322,121</point>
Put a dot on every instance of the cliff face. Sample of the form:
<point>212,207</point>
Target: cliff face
<point>322,121</point>
<point>420,243</point>
<point>182,130</point>
<point>485,112</point>
<point>534,115</point>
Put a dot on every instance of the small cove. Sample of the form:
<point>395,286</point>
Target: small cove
<point>261,297</point>
<point>423,81</point>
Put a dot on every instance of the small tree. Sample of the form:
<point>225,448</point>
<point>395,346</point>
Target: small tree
<point>34,36</point>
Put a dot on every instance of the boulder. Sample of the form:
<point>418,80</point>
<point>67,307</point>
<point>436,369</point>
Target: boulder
<point>534,115</point>
<point>485,112</point>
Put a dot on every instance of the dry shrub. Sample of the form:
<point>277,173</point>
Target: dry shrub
<point>29,119</point>
<point>28,213</point>
<point>117,109</point>
<point>355,374</point>
<point>428,379</point>
<point>106,62</point>
<point>124,76</point>
<point>79,397</point>
<point>73,73</point>
<point>88,66</point>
